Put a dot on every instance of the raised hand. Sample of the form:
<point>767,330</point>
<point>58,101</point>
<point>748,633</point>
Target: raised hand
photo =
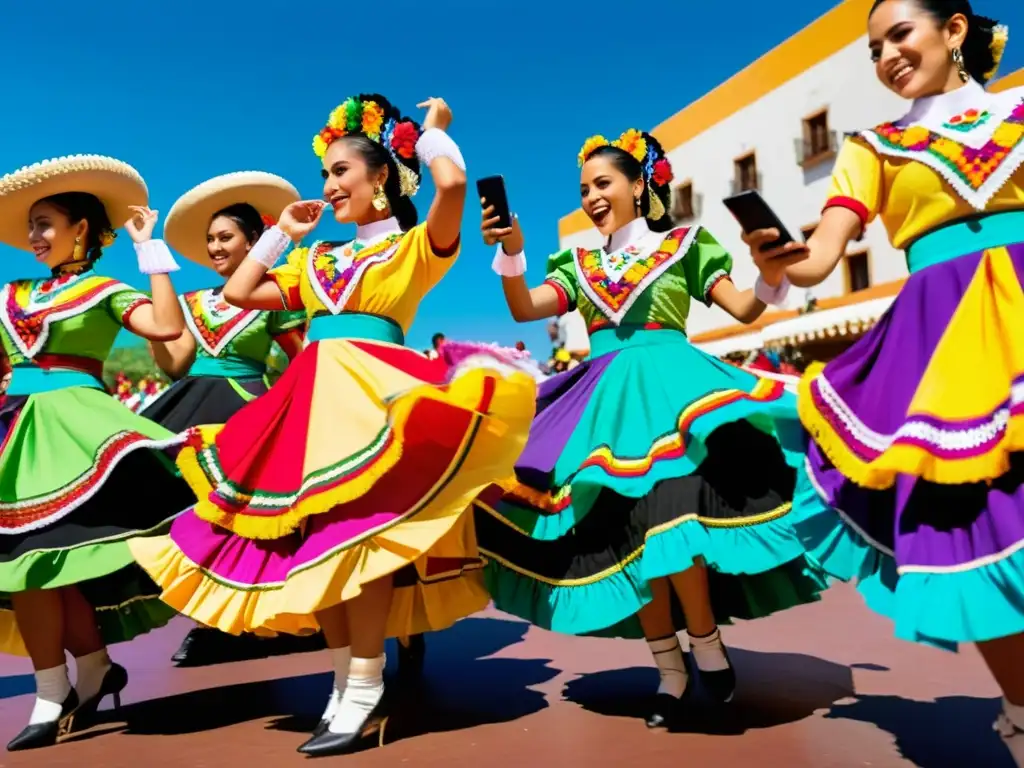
<point>511,238</point>
<point>140,226</point>
<point>301,218</point>
<point>439,114</point>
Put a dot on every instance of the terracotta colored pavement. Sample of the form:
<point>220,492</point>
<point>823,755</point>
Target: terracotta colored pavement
<point>820,686</point>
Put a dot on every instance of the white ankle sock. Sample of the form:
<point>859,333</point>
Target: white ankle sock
<point>669,658</point>
<point>342,658</point>
<point>52,688</point>
<point>1010,726</point>
<point>363,689</point>
<point>91,669</point>
<point>708,652</point>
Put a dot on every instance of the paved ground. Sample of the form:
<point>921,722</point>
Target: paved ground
<point>820,686</point>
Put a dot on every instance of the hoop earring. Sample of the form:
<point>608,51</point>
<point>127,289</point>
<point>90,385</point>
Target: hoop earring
<point>961,70</point>
<point>380,200</point>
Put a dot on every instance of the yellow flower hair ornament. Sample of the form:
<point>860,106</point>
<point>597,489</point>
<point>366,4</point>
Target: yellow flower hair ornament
<point>1000,36</point>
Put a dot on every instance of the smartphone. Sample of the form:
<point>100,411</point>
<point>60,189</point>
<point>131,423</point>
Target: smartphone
<point>492,190</point>
<point>753,213</point>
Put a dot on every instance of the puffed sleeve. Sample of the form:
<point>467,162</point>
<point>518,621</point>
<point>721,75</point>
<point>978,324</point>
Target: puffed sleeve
<point>705,263</point>
<point>856,181</point>
<point>433,263</point>
<point>562,277</point>
<point>288,276</point>
<point>124,301</point>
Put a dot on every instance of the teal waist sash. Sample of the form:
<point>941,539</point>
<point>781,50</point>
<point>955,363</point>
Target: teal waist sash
<point>962,237</point>
<point>607,340</point>
<point>227,367</point>
<point>354,325</point>
<point>33,380</point>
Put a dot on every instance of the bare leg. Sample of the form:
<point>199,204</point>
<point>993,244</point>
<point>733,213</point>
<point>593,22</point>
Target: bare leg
<point>82,638</point>
<point>656,621</point>
<point>1003,657</point>
<point>334,622</point>
<point>706,648</point>
<point>40,618</point>
<point>691,587</point>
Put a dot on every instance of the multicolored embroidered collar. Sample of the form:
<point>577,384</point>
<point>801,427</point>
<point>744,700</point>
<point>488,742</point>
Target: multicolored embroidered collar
<point>29,307</point>
<point>613,281</point>
<point>212,321</point>
<point>972,138</point>
<point>335,269</point>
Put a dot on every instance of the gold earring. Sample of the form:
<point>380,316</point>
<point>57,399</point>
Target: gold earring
<point>78,249</point>
<point>380,200</point>
<point>961,70</point>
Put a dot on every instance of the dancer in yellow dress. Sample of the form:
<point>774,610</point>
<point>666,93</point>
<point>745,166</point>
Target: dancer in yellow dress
<point>339,499</point>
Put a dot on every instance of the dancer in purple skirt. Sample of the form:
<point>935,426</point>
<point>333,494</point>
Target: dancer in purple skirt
<point>917,431</point>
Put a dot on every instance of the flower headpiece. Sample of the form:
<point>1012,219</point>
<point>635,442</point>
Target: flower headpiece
<point>268,221</point>
<point>1000,35</point>
<point>377,120</point>
<point>107,238</point>
<point>657,171</point>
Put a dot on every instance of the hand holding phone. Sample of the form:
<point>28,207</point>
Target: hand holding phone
<point>754,215</point>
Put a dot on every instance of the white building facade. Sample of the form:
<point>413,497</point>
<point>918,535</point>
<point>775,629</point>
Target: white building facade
<point>782,141</point>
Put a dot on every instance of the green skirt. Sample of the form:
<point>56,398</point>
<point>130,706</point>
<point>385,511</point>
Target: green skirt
<point>80,475</point>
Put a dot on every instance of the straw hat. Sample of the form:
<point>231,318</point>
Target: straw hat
<point>116,184</point>
<point>189,218</point>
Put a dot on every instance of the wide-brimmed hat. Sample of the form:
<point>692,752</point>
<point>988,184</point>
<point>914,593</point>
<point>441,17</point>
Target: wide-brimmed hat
<point>117,185</point>
<point>189,218</point>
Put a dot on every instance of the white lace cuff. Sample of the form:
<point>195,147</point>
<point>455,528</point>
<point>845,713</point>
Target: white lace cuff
<point>155,258</point>
<point>775,296</point>
<point>268,249</point>
<point>509,264</point>
<point>435,143</point>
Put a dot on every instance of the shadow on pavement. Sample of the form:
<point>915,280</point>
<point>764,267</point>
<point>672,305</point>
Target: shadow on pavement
<point>772,689</point>
<point>950,731</point>
<point>461,688</point>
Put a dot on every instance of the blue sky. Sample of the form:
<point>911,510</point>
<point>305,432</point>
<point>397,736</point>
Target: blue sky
<point>186,90</point>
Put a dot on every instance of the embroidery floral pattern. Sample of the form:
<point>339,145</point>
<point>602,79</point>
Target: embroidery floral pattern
<point>968,120</point>
<point>973,166</point>
<point>336,270</point>
<point>614,279</point>
<point>30,306</point>
<point>213,321</point>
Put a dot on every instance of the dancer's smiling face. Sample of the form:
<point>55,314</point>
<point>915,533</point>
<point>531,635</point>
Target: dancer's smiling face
<point>226,244</point>
<point>52,234</point>
<point>911,50</point>
<point>608,196</point>
<point>350,182</point>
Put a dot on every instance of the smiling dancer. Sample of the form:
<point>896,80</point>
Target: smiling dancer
<point>918,429</point>
<point>340,498</point>
<point>79,472</point>
<point>219,363</point>
<point>652,468</point>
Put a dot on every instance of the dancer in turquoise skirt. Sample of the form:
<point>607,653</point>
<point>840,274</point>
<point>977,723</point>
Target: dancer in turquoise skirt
<point>656,477</point>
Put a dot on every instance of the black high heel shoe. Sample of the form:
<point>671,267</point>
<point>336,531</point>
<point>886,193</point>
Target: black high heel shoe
<point>44,734</point>
<point>370,734</point>
<point>411,658</point>
<point>114,681</point>
<point>721,684</point>
<point>666,709</point>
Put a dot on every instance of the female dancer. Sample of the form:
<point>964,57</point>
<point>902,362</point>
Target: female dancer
<point>219,364</point>
<point>339,498</point>
<point>917,430</point>
<point>651,467</point>
<point>79,473</point>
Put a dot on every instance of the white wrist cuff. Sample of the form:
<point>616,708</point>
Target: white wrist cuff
<point>268,249</point>
<point>509,265</point>
<point>775,296</point>
<point>155,258</point>
<point>435,143</point>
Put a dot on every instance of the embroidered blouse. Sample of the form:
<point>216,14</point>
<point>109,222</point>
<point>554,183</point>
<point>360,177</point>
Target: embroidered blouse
<point>647,277</point>
<point>384,271</point>
<point>952,156</point>
<point>223,330</point>
<point>75,314</point>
